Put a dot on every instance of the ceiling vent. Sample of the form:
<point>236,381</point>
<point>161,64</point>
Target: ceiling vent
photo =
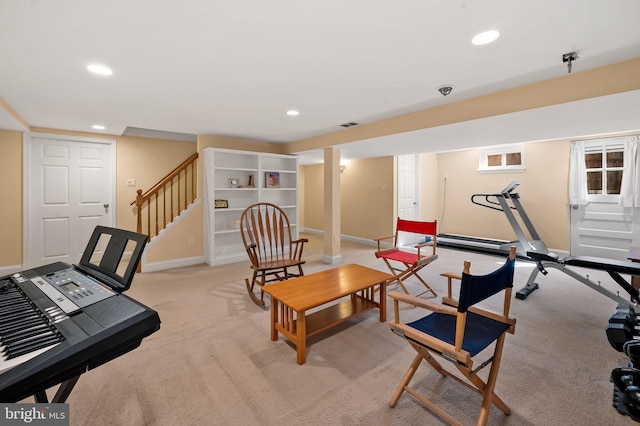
<point>349,124</point>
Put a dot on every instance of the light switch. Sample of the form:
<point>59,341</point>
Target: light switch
<point>131,182</point>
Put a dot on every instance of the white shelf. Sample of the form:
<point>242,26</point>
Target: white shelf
<point>223,239</point>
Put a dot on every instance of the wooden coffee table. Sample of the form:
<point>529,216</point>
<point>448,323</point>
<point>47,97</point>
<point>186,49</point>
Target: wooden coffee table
<point>290,301</point>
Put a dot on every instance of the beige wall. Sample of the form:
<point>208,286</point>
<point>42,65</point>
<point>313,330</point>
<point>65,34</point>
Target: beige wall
<point>367,197</point>
<point>312,188</point>
<point>147,161</point>
<point>543,194</point>
<point>185,241</point>
<point>11,196</point>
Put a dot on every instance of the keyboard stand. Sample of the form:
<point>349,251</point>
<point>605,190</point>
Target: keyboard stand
<point>62,393</point>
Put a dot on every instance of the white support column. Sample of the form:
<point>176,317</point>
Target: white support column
<point>332,253</point>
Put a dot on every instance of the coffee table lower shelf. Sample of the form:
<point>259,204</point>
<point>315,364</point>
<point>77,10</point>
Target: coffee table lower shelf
<point>333,315</point>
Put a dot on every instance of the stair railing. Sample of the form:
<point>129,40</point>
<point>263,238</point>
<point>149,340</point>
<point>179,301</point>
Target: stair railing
<point>167,199</point>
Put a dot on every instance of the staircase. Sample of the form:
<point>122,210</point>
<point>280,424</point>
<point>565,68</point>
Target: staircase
<point>168,199</point>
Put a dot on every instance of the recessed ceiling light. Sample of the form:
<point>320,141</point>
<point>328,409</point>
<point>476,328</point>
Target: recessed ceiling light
<point>99,69</point>
<point>98,126</point>
<point>293,112</point>
<point>485,37</point>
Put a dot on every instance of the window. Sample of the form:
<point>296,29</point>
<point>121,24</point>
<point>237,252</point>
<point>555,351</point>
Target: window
<point>604,166</point>
<point>506,158</point>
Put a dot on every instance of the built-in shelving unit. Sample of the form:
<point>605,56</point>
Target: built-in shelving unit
<point>227,175</point>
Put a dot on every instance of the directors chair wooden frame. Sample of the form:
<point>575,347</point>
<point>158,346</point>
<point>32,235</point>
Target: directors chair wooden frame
<point>412,262</point>
<point>274,256</point>
<point>457,331</point>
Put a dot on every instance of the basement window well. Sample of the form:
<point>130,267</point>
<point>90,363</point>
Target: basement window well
<point>506,158</point>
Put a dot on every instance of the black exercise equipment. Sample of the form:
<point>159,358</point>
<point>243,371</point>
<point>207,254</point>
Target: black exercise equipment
<point>622,335</point>
<point>533,248</point>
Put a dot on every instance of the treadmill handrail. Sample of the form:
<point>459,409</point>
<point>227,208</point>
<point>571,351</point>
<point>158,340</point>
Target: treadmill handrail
<point>488,201</point>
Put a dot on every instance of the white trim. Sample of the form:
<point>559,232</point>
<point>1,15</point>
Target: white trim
<point>7,270</point>
<point>219,261</point>
<point>358,240</point>
<point>170,264</point>
<point>311,231</point>
<point>502,150</point>
<point>26,179</point>
<point>331,260</point>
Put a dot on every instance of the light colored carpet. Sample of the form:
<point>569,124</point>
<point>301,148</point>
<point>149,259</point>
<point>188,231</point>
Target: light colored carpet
<point>213,363</point>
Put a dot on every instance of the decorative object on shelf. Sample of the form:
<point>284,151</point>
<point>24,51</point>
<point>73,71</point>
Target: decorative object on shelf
<point>251,183</point>
<point>233,182</point>
<point>272,180</point>
<point>234,224</point>
<point>221,204</point>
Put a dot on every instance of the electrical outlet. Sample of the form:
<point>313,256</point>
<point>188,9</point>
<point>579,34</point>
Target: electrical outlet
<point>190,241</point>
<point>131,182</point>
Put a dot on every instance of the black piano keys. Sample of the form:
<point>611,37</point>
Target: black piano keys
<point>23,327</point>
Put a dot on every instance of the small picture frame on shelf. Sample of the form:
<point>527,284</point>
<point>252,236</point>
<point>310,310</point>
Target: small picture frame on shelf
<point>272,180</point>
<point>221,204</point>
<point>233,182</point>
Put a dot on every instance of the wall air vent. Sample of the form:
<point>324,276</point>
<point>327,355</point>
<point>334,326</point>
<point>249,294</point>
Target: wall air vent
<point>349,124</point>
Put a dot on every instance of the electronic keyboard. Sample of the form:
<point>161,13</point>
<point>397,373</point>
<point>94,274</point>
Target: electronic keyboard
<point>58,321</point>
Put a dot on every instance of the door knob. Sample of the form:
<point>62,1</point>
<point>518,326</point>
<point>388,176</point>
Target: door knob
<point>106,206</point>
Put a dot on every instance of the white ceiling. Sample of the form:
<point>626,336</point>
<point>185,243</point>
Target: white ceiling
<point>230,67</point>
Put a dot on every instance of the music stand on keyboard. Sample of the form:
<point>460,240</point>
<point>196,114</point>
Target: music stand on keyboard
<point>108,268</point>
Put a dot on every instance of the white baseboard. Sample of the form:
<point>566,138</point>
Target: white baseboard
<point>311,231</point>
<point>174,263</point>
<point>331,260</point>
<point>359,240</point>
<point>7,270</point>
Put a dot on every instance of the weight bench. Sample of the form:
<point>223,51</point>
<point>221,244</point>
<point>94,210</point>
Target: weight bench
<point>548,259</point>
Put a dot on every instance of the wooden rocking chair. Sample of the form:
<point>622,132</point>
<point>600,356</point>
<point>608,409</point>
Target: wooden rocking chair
<point>274,256</point>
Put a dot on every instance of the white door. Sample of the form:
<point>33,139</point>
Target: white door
<point>407,188</point>
<point>70,189</point>
<point>600,227</point>
<point>408,195</point>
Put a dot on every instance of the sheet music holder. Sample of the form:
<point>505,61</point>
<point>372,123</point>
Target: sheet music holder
<point>110,263</point>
